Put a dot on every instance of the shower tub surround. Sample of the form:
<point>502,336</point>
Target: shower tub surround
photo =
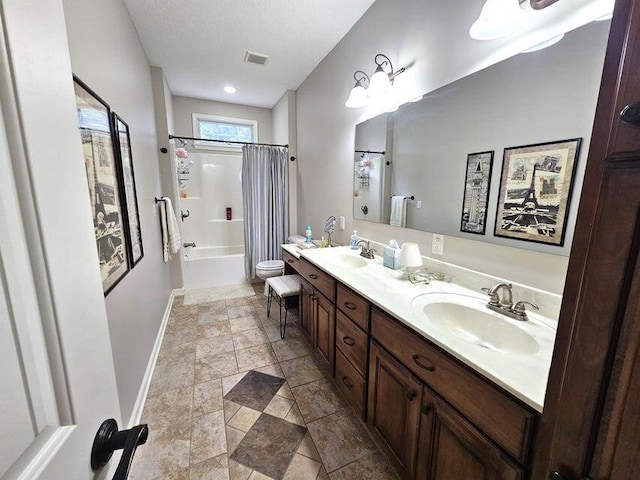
<point>230,400</point>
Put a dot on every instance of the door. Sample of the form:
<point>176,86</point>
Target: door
<point>394,408</point>
<point>57,375</point>
<point>459,450</point>
<point>590,424</point>
<point>306,310</point>
<point>324,331</point>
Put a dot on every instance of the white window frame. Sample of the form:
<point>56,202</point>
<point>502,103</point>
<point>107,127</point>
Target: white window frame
<point>197,117</point>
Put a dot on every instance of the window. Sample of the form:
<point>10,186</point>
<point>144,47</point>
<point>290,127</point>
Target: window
<point>224,129</point>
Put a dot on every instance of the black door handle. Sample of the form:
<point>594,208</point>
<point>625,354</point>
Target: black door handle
<point>631,114</point>
<point>109,439</point>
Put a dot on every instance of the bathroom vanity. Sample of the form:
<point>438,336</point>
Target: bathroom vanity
<point>442,400</point>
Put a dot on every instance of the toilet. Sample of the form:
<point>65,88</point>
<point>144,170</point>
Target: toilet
<point>269,268</point>
<point>272,268</point>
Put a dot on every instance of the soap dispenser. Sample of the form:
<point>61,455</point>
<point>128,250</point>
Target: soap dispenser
<point>309,237</point>
<point>354,240</point>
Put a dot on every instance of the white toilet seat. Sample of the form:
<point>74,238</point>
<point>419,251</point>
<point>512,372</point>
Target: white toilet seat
<point>271,265</point>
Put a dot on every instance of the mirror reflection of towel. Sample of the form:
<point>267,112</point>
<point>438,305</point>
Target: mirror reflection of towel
<point>398,211</point>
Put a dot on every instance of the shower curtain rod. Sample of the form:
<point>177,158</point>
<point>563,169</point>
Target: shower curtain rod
<point>226,141</point>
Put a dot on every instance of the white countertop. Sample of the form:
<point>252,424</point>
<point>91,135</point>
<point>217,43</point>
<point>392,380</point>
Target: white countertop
<point>524,376</point>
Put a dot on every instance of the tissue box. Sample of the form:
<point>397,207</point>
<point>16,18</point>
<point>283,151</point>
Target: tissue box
<point>390,257</point>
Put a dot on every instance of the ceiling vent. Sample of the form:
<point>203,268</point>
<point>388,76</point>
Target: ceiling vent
<point>257,58</point>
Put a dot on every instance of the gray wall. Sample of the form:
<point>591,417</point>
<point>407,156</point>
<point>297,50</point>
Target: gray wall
<point>183,107</point>
<point>433,41</point>
<point>119,72</point>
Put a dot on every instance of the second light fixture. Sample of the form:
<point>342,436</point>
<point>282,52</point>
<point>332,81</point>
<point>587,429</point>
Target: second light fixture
<point>378,86</point>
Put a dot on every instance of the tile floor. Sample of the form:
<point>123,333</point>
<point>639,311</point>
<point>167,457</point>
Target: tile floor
<point>230,400</point>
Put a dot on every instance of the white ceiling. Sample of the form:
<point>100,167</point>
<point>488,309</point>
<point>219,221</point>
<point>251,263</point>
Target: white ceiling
<point>201,44</point>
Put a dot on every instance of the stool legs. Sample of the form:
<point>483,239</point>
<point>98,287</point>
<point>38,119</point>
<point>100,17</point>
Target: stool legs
<point>269,301</point>
<point>283,324</point>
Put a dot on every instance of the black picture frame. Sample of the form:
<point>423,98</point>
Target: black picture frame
<point>131,212</point>
<point>535,191</point>
<point>477,186</point>
<point>104,179</point>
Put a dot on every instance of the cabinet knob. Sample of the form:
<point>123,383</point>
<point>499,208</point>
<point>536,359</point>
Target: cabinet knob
<point>411,396</point>
<point>349,341</point>
<point>350,305</point>
<point>426,409</point>
<point>416,360</point>
<point>347,382</point>
<point>313,276</point>
<point>631,114</point>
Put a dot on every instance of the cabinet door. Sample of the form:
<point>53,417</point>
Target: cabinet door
<point>394,409</point>
<point>306,310</point>
<point>324,331</point>
<point>459,450</point>
<point>425,435</point>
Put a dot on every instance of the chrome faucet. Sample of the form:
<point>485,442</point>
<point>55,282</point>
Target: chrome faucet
<point>189,244</point>
<point>504,304</point>
<point>367,251</point>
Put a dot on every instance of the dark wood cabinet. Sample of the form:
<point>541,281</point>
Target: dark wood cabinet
<point>306,310</point>
<point>450,447</point>
<point>324,331</point>
<point>395,397</point>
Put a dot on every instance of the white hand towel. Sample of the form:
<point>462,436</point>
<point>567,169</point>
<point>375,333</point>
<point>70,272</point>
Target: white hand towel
<point>398,211</point>
<point>173,230</point>
<point>166,256</point>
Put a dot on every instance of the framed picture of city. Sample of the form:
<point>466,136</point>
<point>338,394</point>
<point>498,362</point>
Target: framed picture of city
<point>476,192</point>
<point>535,190</point>
<point>105,184</point>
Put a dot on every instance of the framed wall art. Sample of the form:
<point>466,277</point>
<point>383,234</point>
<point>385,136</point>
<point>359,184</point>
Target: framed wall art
<point>535,189</point>
<point>131,213</point>
<point>103,177</point>
<point>476,192</point>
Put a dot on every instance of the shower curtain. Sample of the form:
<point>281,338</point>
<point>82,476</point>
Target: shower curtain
<point>265,186</point>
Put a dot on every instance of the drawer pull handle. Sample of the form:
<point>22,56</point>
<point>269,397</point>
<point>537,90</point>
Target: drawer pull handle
<point>349,341</point>
<point>313,276</point>
<point>347,382</point>
<point>350,306</point>
<point>429,368</point>
<point>426,409</point>
<point>289,261</point>
<point>411,396</point>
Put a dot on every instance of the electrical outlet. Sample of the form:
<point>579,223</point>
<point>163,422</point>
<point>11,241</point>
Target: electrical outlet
<point>418,203</point>
<point>341,222</point>
<point>437,244</point>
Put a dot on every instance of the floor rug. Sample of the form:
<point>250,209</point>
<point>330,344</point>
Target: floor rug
<point>207,295</point>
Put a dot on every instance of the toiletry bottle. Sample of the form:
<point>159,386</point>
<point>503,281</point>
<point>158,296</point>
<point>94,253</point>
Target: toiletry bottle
<point>308,234</point>
<point>354,240</point>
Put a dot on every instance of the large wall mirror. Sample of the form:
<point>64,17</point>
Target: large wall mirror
<point>432,151</point>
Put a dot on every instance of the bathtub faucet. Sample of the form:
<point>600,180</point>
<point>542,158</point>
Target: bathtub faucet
<point>189,244</point>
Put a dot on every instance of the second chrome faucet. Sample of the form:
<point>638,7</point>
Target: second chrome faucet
<point>504,303</point>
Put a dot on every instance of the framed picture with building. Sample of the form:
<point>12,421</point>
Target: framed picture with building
<point>535,189</point>
<point>94,121</point>
<point>131,214</point>
<point>477,183</point>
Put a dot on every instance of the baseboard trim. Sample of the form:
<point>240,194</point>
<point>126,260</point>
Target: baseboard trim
<point>136,415</point>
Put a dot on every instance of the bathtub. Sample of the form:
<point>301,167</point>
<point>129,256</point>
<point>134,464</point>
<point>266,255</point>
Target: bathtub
<point>220,260</point>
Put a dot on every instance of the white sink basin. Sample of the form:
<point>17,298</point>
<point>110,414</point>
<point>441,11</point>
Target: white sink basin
<point>468,319</point>
<point>350,261</point>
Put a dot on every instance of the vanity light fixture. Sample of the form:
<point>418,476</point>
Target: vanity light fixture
<point>379,86</point>
<point>497,19</point>
<point>358,96</point>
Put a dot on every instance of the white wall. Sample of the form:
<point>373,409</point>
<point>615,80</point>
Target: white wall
<point>284,133</point>
<point>431,38</point>
<point>183,107</point>
<point>107,55</point>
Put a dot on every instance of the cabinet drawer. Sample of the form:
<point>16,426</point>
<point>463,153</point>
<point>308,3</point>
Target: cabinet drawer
<point>322,281</point>
<point>350,383</point>
<point>290,260</point>
<point>352,342</point>
<point>504,420</point>
<point>354,306</point>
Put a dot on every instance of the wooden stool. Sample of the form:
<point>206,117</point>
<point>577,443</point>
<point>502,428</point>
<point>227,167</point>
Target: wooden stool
<point>282,287</point>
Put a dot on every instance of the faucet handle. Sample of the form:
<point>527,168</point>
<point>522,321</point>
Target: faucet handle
<point>520,310</point>
<point>493,296</point>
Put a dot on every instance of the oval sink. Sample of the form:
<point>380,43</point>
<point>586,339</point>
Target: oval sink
<point>482,328</point>
<point>344,260</point>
